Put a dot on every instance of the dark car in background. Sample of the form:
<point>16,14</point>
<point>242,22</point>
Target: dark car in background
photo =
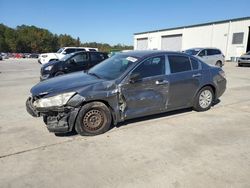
<point>78,61</point>
<point>125,86</point>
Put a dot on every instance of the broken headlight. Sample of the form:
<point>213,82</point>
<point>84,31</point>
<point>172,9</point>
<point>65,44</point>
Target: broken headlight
<point>55,101</point>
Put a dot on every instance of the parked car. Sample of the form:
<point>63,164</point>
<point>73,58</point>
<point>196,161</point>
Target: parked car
<point>47,57</point>
<point>34,55</point>
<point>19,55</point>
<point>212,56</point>
<point>125,86</point>
<point>73,62</point>
<point>244,59</point>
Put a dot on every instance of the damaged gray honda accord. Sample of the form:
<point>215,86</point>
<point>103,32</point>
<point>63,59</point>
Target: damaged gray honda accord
<point>125,86</point>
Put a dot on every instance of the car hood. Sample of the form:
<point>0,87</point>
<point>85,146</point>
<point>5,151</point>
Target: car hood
<point>245,56</point>
<point>50,63</point>
<point>65,83</point>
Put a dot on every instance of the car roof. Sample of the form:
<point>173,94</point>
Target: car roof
<point>145,53</point>
<point>199,48</point>
<point>88,52</point>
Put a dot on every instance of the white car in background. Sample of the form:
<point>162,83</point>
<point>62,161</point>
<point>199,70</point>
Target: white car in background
<point>47,57</point>
<point>244,59</point>
<point>212,56</point>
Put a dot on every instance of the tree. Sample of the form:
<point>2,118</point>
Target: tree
<point>33,39</point>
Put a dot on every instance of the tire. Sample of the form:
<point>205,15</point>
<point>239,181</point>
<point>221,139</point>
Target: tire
<point>59,73</point>
<point>93,119</point>
<point>218,63</point>
<point>239,65</point>
<point>204,99</point>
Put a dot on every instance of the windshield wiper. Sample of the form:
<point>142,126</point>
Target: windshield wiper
<point>94,74</point>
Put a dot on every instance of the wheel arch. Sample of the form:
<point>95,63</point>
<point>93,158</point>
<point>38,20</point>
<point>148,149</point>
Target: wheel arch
<point>112,111</point>
<point>206,85</point>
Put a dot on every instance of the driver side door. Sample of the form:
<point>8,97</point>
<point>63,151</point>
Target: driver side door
<point>148,93</point>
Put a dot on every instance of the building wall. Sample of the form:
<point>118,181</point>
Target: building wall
<point>218,35</point>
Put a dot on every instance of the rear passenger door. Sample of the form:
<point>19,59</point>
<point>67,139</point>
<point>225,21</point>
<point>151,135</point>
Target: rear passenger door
<point>184,80</point>
<point>212,56</point>
<point>203,56</point>
<point>95,58</point>
<point>78,62</point>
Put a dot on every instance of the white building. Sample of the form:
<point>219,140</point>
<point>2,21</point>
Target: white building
<point>232,37</point>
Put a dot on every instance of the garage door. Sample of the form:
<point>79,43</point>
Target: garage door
<point>142,44</point>
<point>171,42</point>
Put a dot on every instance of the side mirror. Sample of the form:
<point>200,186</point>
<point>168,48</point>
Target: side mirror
<point>72,61</point>
<point>134,77</point>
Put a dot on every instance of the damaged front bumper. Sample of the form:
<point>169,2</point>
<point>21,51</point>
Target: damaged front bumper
<point>57,120</point>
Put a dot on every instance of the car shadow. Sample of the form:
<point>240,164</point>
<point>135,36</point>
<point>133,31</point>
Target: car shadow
<point>156,116</point>
<point>135,120</point>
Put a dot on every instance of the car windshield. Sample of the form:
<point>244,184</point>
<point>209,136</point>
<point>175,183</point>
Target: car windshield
<point>60,50</point>
<point>248,53</point>
<point>66,57</point>
<point>192,51</point>
<point>113,67</point>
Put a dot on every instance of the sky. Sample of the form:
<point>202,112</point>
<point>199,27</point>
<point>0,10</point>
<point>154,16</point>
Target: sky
<point>115,21</point>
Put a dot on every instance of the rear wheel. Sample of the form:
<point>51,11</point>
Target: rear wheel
<point>94,118</point>
<point>59,73</point>
<point>204,99</point>
<point>218,63</point>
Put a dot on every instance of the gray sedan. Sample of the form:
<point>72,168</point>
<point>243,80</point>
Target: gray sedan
<point>127,85</point>
<point>244,59</point>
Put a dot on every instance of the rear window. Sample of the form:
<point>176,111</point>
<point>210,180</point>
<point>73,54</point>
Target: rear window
<point>80,50</point>
<point>97,56</point>
<point>92,50</point>
<point>195,64</point>
<point>213,52</point>
<point>179,63</point>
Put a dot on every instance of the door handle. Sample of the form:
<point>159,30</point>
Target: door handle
<point>161,82</point>
<point>196,75</point>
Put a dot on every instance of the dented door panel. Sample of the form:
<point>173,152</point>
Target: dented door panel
<point>144,97</point>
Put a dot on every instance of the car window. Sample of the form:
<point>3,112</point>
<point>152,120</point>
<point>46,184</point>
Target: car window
<point>217,52</point>
<point>92,50</point>
<point>202,53</point>
<point>79,58</point>
<point>179,63</point>
<point>96,56</point>
<point>69,50</point>
<point>151,67</point>
<point>195,64</point>
<point>80,50</point>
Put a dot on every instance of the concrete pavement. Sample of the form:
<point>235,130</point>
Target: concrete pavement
<point>180,149</point>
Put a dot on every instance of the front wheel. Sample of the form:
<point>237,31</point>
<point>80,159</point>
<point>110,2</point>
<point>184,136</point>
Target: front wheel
<point>204,99</point>
<point>59,73</point>
<point>94,118</point>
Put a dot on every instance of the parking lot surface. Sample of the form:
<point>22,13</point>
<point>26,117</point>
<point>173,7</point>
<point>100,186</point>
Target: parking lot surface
<point>180,149</point>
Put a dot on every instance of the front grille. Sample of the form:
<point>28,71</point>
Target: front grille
<point>245,58</point>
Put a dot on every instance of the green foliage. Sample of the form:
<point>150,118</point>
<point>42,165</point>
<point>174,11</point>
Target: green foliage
<point>31,39</point>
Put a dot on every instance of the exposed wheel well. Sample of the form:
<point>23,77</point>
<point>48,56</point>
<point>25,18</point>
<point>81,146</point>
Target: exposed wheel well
<point>114,121</point>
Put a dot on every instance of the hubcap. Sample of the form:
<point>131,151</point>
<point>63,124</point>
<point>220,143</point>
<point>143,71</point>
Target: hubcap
<point>93,120</point>
<point>205,98</point>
